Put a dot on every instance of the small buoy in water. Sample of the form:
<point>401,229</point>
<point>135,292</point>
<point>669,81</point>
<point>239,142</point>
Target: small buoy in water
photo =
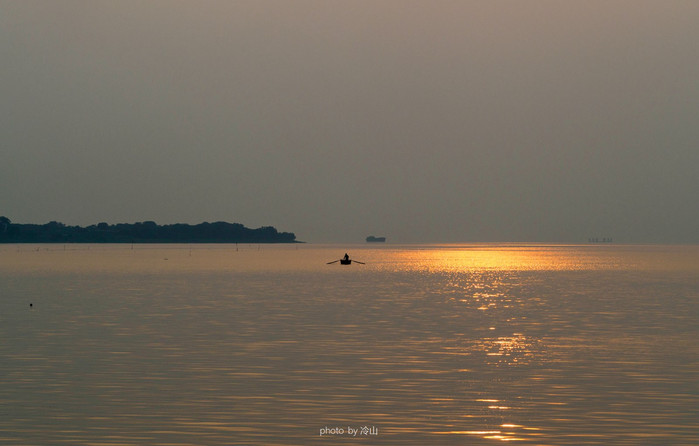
<point>31,304</point>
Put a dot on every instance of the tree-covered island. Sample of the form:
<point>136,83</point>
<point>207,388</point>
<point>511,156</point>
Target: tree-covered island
<point>142,232</point>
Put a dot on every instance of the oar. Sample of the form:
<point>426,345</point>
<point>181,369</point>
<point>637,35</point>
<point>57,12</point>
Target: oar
<point>335,261</point>
<point>357,261</point>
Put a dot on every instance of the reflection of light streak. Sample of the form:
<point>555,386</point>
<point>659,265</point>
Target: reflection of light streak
<point>493,258</point>
<point>488,434</point>
<point>502,438</point>
<point>507,432</point>
<point>512,350</point>
<point>469,432</point>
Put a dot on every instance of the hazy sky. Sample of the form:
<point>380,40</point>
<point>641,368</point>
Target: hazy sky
<point>424,121</point>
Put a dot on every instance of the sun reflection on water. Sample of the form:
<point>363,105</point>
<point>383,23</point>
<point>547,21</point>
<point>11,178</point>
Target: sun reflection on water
<point>539,257</point>
<point>495,257</point>
<point>453,344</point>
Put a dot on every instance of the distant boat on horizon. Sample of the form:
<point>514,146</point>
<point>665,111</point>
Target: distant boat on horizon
<point>372,239</point>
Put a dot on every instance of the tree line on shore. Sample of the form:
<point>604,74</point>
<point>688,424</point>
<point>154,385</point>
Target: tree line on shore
<point>141,232</point>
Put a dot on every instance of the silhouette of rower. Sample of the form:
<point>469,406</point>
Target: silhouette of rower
<point>346,257</point>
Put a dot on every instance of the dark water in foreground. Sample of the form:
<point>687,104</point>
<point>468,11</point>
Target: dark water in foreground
<point>423,345</point>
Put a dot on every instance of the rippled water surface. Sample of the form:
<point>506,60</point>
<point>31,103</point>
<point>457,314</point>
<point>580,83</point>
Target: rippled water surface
<point>422,345</point>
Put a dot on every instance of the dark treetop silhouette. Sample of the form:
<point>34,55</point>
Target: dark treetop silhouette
<point>141,232</point>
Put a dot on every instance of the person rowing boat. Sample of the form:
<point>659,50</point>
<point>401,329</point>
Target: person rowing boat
<point>345,261</point>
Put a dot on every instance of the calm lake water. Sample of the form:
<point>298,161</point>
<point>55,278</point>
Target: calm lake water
<point>422,345</point>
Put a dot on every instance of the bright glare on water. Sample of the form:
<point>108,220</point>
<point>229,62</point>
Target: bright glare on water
<point>421,345</point>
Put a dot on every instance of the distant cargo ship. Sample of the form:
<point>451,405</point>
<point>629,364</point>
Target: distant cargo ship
<point>372,239</point>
